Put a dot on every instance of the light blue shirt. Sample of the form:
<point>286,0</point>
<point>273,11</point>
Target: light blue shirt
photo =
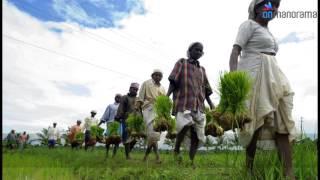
<point>110,113</point>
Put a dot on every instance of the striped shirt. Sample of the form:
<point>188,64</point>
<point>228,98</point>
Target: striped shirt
<point>192,86</point>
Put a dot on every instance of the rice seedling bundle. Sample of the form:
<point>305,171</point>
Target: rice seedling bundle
<point>135,125</point>
<point>113,128</point>
<point>113,133</point>
<point>163,120</point>
<point>96,132</point>
<point>172,133</point>
<point>212,126</point>
<point>79,136</point>
<point>234,89</point>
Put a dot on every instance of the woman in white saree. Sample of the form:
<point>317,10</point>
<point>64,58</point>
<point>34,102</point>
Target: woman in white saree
<point>271,101</point>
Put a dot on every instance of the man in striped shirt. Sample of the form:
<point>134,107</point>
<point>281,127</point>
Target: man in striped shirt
<point>190,87</point>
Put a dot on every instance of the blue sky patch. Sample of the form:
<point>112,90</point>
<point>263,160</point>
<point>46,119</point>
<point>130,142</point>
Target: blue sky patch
<point>56,30</point>
<point>295,37</point>
<point>75,89</point>
<point>88,13</point>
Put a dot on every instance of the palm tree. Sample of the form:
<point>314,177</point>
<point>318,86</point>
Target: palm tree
<point>43,137</point>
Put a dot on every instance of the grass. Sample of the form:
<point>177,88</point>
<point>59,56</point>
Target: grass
<point>64,163</point>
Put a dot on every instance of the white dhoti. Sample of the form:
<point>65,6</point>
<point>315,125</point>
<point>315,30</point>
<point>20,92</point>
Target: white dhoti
<point>148,116</point>
<point>196,120</point>
<point>270,103</point>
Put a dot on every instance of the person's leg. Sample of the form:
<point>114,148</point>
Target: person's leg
<point>179,139</point>
<point>107,149</point>
<point>285,154</point>
<point>251,150</point>
<point>155,149</point>
<point>132,143</point>
<point>115,148</point>
<point>194,144</point>
<point>127,150</point>
<point>86,139</point>
<point>147,151</point>
<point>50,144</point>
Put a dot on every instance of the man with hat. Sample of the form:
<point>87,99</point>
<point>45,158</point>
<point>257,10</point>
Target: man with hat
<point>88,122</point>
<point>148,93</point>
<point>53,135</point>
<point>127,105</point>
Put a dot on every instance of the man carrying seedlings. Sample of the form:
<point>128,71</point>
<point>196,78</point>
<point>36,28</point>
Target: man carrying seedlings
<point>73,131</point>
<point>127,105</point>
<point>53,134</point>
<point>108,118</point>
<point>148,93</point>
<point>190,87</point>
<point>88,122</point>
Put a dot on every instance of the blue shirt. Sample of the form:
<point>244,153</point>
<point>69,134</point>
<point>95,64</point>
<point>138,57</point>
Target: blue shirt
<point>110,113</point>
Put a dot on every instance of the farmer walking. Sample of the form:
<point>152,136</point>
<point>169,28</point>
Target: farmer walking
<point>127,105</point>
<point>11,140</point>
<point>88,122</point>
<point>53,135</point>
<point>190,87</point>
<point>108,118</point>
<point>148,93</point>
<point>23,138</point>
<point>73,132</point>
<point>271,101</point>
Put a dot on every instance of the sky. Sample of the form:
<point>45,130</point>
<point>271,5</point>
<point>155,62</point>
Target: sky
<point>64,58</point>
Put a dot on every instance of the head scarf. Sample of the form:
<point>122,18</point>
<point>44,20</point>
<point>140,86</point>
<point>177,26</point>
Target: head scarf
<point>251,10</point>
<point>135,85</point>
<point>156,71</point>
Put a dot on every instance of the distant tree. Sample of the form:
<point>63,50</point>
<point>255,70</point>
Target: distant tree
<point>43,137</point>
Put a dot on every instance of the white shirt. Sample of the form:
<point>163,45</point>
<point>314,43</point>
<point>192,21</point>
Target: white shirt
<point>53,133</point>
<point>254,38</point>
<point>90,121</point>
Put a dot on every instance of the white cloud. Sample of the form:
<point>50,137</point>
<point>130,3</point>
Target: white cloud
<point>155,40</point>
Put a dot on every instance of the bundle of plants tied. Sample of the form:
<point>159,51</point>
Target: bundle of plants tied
<point>212,126</point>
<point>96,132</point>
<point>79,137</point>
<point>172,133</point>
<point>163,120</point>
<point>135,125</point>
<point>113,133</point>
<point>234,89</point>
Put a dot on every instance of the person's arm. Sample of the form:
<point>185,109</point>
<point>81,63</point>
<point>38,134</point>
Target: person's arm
<point>170,89</point>
<point>233,63</point>
<point>174,77</point>
<point>245,33</point>
<point>141,97</point>
<point>210,102</point>
<point>106,116</point>
<point>208,89</point>
<point>121,109</point>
